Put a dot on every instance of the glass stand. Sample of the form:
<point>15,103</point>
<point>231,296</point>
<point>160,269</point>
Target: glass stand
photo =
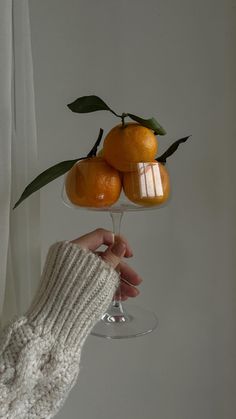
<point>119,322</point>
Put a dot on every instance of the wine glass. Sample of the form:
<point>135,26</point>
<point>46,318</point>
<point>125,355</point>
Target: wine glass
<point>145,188</point>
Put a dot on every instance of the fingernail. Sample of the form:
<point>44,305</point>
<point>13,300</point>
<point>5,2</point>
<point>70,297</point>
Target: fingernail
<point>136,292</point>
<point>118,248</point>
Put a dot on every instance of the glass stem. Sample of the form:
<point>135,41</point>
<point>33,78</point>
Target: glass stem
<point>116,221</point>
<point>116,224</point>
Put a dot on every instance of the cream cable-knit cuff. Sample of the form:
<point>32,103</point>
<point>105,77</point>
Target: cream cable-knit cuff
<point>76,288</point>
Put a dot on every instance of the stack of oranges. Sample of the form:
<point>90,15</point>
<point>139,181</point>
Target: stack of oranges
<point>127,160</point>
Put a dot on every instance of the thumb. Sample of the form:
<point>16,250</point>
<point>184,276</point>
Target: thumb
<point>114,253</point>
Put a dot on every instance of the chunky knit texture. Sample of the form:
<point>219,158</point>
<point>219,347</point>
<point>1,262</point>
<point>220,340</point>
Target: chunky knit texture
<point>40,352</point>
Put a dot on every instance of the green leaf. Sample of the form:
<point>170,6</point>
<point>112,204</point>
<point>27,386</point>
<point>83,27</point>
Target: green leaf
<point>86,104</point>
<point>55,171</point>
<point>93,150</point>
<point>171,150</point>
<point>149,123</point>
<point>46,177</point>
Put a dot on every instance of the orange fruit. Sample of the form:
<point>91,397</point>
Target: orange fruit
<point>93,183</point>
<point>130,144</point>
<point>148,184</point>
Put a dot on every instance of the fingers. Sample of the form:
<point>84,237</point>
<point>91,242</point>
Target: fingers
<point>127,290</point>
<point>118,248</point>
<point>114,253</point>
<point>129,280</point>
<point>121,297</point>
<point>129,274</point>
<point>96,238</point>
<point>129,252</point>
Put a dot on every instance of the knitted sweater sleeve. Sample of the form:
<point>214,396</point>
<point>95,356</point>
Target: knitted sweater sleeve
<point>40,352</point>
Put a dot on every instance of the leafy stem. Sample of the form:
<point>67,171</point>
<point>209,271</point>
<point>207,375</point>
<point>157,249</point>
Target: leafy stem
<point>92,103</point>
<point>55,171</point>
<point>123,116</point>
<point>93,151</point>
<point>116,114</point>
<point>171,150</point>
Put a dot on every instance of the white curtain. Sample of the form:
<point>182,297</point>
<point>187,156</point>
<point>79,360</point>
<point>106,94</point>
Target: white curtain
<point>19,229</point>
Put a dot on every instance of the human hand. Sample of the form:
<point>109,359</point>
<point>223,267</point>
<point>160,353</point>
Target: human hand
<point>117,248</point>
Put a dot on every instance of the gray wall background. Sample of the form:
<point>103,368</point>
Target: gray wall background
<point>174,60</point>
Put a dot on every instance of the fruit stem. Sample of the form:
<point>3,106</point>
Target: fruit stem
<point>123,116</point>
<point>114,113</point>
<point>93,151</point>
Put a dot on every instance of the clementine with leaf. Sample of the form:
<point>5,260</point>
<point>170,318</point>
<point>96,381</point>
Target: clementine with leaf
<point>127,144</point>
<point>93,183</point>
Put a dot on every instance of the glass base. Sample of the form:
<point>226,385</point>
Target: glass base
<point>117,323</point>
